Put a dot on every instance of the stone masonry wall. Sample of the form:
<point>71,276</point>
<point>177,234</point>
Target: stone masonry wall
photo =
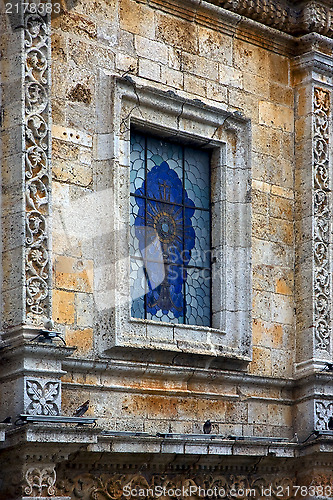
<point>197,61</point>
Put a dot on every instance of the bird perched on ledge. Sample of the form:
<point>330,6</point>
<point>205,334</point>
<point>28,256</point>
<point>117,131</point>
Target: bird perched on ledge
<point>207,427</point>
<point>81,410</point>
<point>328,367</point>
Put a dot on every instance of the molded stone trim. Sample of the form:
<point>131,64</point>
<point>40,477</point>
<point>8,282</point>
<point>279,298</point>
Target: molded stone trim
<point>283,15</point>
<point>37,385</point>
<point>168,115</point>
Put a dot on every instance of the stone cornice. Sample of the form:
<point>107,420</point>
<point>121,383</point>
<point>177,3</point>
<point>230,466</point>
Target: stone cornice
<point>65,440</point>
<point>181,372</point>
<point>312,16</point>
<point>283,28</point>
<point>288,16</point>
<point>313,59</point>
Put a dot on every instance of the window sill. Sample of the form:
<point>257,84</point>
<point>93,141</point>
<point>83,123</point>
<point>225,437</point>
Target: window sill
<point>150,335</point>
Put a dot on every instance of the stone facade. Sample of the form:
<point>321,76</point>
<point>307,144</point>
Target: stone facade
<point>250,81</point>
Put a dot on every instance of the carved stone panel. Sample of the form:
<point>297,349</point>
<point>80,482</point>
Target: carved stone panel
<point>37,163</point>
<point>40,481</point>
<point>322,220</point>
<point>323,411</point>
<point>42,397</point>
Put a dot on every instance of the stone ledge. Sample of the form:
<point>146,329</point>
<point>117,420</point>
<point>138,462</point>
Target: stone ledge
<point>97,440</point>
<point>213,445</point>
<point>283,15</point>
<point>145,365</point>
<point>48,436</point>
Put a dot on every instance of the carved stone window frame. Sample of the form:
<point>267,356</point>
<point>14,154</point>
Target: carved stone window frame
<point>227,135</point>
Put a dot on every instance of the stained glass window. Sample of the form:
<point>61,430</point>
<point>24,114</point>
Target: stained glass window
<point>170,231</point>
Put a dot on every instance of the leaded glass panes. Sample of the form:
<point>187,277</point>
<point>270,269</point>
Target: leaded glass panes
<point>170,231</point>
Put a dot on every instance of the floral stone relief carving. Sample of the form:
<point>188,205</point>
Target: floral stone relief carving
<point>37,168</point>
<point>322,220</point>
<point>40,482</point>
<point>42,397</point>
<point>116,486</point>
<point>323,411</point>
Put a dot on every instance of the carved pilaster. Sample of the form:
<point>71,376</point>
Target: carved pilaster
<point>322,220</point>
<point>313,222</point>
<point>37,164</point>
<point>26,176</point>
<point>313,215</point>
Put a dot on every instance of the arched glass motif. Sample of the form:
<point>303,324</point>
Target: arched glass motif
<point>170,231</point>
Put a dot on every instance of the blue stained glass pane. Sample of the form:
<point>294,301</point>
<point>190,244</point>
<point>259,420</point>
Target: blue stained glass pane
<point>201,253</point>
<point>197,176</point>
<point>164,184</point>
<point>134,242</point>
<point>168,221</point>
<point>159,151</point>
<point>197,291</point>
<point>137,159</point>
<point>169,318</point>
<point>168,295</point>
<point>138,288</point>
<point>168,234</point>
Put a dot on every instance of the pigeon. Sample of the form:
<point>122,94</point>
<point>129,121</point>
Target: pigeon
<point>49,325</point>
<point>207,427</point>
<point>328,367</point>
<point>7,420</point>
<point>81,409</point>
<point>330,423</point>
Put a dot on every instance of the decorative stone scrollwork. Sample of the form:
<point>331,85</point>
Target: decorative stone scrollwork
<point>115,486</point>
<point>322,220</point>
<point>40,482</point>
<point>288,16</point>
<point>316,18</point>
<point>275,14</point>
<point>323,411</point>
<point>37,168</point>
<point>323,483</point>
<point>285,16</point>
<point>42,398</point>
